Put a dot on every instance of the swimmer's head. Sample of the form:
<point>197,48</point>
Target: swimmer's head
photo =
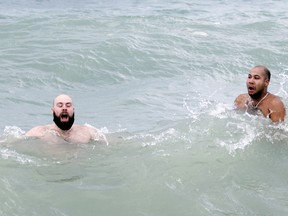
<point>258,81</point>
<point>63,112</point>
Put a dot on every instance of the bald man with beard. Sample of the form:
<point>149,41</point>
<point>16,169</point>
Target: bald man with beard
<point>64,127</point>
<point>258,99</point>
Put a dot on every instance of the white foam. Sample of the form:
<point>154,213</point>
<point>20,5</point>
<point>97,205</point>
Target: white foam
<point>13,131</point>
<point>11,154</point>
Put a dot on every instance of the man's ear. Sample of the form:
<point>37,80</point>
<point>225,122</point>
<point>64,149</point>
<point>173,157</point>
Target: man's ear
<point>267,81</point>
<point>52,110</point>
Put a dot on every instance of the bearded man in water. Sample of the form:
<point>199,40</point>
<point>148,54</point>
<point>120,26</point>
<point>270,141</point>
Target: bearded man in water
<point>64,127</point>
<point>258,98</point>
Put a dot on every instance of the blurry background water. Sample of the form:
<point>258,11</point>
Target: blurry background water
<point>159,79</point>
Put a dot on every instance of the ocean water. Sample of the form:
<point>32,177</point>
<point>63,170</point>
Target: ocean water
<point>159,78</point>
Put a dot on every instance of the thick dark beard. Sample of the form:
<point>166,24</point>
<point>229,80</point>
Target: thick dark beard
<point>63,125</point>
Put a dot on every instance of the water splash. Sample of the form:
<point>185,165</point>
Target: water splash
<point>284,80</point>
<point>220,124</point>
<point>149,139</point>
<point>12,133</point>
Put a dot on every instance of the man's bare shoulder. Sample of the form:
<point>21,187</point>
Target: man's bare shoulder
<point>39,130</point>
<point>274,108</point>
<point>241,100</point>
<point>277,104</point>
<point>276,101</point>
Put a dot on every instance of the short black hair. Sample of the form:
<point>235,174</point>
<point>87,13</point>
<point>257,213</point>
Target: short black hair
<point>266,70</point>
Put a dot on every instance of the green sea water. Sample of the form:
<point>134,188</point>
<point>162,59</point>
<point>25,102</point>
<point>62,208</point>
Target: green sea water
<point>159,78</point>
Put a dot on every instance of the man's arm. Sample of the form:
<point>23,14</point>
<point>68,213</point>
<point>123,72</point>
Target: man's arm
<point>277,111</point>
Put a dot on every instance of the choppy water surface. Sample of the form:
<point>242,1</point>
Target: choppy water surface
<point>159,79</point>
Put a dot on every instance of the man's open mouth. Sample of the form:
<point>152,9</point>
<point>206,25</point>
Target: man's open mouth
<point>64,117</point>
<point>251,89</point>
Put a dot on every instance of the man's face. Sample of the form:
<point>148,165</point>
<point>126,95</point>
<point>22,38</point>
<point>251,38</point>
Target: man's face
<point>63,112</point>
<point>256,82</point>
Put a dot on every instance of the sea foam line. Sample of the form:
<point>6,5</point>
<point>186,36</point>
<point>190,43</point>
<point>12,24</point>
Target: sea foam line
<point>23,159</point>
